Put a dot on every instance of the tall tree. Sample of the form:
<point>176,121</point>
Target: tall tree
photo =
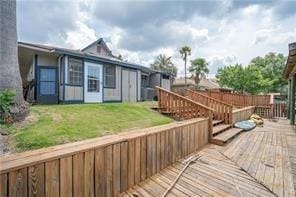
<point>185,51</point>
<point>199,68</point>
<point>164,64</point>
<point>272,66</point>
<point>10,78</point>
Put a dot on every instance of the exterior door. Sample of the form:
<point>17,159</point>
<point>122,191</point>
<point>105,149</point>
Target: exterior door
<point>129,86</point>
<point>47,92</point>
<point>93,86</point>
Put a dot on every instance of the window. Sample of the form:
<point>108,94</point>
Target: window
<point>75,72</point>
<point>110,76</point>
<point>93,84</point>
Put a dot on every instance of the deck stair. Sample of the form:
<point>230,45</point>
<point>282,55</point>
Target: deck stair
<point>226,136</point>
<point>223,133</point>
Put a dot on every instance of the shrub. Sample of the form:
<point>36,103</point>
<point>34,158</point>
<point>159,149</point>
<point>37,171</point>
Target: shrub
<point>6,101</point>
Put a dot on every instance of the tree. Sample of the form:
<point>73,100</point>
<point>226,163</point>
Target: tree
<point>10,78</point>
<point>231,76</point>
<point>262,75</point>
<point>164,64</point>
<point>272,67</point>
<point>199,68</point>
<point>185,51</point>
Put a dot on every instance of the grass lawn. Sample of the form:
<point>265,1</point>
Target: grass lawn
<point>50,125</point>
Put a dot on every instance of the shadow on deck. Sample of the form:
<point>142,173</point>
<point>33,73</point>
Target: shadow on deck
<point>261,162</point>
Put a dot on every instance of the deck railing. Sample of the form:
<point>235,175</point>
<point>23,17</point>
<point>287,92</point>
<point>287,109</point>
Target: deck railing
<point>239,100</point>
<point>102,166</point>
<point>277,110</point>
<point>223,111</point>
<point>182,108</point>
<point>242,114</point>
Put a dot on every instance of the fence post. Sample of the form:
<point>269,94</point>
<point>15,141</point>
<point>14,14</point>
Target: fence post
<point>210,125</point>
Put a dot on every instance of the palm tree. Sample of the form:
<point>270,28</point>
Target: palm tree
<point>164,64</point>
<point>10,78</point>
<point>185,51</point>
<point>199,68</point>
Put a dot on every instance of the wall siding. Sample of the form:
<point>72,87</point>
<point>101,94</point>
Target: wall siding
<point>47,60</point>
<point>114,94</point>
<point>166,84</point>
<point>73,93</point>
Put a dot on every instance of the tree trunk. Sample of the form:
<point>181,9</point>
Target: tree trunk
<point>197,78</point>
<point>185,60</point>
<point>10,78</point>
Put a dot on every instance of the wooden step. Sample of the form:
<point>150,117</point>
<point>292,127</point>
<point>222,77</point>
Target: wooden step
<point>216,122</point>
<point>226,136</point>
<point>220,128</point>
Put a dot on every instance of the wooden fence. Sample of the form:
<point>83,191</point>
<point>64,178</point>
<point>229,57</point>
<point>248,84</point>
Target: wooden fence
<point>223,111</point>
<point>277,110</point>
<point>239,100</point>
<point>242,114</point>
<point>102,166</point>
<point>182,108</point>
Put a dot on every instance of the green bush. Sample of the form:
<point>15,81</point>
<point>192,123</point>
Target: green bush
<point>6,101</point>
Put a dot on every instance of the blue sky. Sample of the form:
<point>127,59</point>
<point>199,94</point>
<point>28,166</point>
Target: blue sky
<point>224,32</point>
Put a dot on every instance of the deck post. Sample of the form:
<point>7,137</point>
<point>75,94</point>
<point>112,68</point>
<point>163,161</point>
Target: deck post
<point>292,99</point>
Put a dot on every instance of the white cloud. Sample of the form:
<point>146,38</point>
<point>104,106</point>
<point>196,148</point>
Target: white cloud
<point>80,36</point>
<point>224,32</point>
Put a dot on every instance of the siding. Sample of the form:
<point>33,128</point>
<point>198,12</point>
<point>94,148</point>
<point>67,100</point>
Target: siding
<point>166,84</point>
<point>154,80</point>
<point>114,94</point>
<point>47,60</point>
<point>74,93</point>
<point>139,84</point>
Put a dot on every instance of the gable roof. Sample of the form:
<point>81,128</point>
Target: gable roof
<point>83,54</point>
<point>101,42</point>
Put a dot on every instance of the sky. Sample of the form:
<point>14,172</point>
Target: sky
<point>223,32</point>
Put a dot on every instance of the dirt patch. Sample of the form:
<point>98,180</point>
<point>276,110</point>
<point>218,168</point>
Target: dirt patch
<point>31,118</point>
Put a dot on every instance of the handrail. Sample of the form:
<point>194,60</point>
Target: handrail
<point>211,98</point>
<point>183,97</point>
<point>239,100</point>
<point>223,111</point>
<point>180,107</point>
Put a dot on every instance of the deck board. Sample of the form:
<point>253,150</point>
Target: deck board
<point>267,154</point>
<point>212,175</point>
<point>261,162</point>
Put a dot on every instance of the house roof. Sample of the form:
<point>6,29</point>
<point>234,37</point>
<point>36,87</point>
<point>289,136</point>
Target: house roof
<point>83,54</point>
<point>181,81</point>
<point>209,84</point>
<point>102,43</point>
<point>290,68</point>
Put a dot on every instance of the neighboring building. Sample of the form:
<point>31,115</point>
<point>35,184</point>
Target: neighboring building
<point>290,75</point>
<point>179,86</point>
<point>90,75</point>
<point>211,85</point>
<point>204,84</point>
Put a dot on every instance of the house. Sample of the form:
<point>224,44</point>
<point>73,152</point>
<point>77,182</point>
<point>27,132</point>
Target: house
<point>204,84</point>
<point>290,76</point>
<point>91,75</point>
<point>212,85</point>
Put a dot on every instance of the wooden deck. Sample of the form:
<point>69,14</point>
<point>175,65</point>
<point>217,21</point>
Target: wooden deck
<point>267,154</point>
<point>261,162</point>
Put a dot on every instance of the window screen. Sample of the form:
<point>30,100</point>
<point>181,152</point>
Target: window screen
<point>110,76</point>
<point>75,72</point>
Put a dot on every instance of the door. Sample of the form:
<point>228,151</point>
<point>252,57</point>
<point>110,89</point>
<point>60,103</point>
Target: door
<point>93,86</point>
<point>129,86</point>
<point>47,92</point>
